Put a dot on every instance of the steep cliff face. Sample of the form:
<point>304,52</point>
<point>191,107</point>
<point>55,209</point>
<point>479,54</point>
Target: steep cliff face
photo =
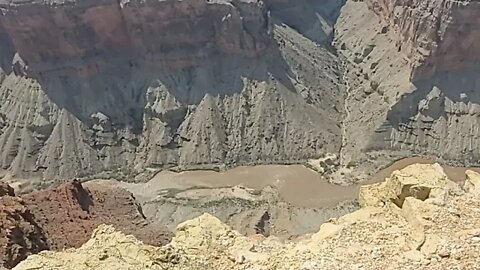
<point>437,35</point>
<point>125,88</point>
<point>173,34</point>
<point>7,51</point>
<point>440,117</point>
<point>122,86</point>
<point>412,76</point>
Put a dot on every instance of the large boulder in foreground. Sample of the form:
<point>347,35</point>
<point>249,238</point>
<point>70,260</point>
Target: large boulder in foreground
<point>420,181</point>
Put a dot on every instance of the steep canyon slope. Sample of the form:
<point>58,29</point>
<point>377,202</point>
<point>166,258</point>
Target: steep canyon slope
<point>125,88</point>
<point>412,82</point>
<point>108,86</point>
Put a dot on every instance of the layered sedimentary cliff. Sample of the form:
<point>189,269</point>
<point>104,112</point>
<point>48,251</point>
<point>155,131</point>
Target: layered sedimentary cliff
<point>59,35</point>
<point>416,219</point>
<point>436,35</point>
<point>412,81</point>
<point>108,86</point>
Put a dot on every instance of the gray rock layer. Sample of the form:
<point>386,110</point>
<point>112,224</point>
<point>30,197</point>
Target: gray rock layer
<point>123,88</point>
<point>223,87</point>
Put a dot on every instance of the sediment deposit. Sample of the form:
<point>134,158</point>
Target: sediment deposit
<point>416,219</point>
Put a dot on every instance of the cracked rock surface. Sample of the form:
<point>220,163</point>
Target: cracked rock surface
<point>424,233</point>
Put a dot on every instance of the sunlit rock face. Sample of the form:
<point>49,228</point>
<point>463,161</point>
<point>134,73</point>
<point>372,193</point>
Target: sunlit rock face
<point>437,35</point>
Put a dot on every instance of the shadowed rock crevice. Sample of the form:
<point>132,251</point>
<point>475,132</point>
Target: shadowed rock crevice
<point>7,51</point>
<point>313,19</point>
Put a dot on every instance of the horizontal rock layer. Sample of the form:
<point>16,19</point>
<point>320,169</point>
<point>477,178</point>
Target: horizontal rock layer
<point>119,87</point>
<point>173,34</point>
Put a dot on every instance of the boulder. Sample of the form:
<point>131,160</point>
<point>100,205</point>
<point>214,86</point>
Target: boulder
<point>208,232</point>
<point>472,183</point>
<point>420,181</point>
<point>6,190</point>
<point>433,245</point>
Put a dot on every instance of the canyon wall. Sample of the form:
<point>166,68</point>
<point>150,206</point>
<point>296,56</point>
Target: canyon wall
<point>118,87</point>
<point>437,35</point>
<point>412,76</point>
<point>173,34</point>
<point>124,89</point>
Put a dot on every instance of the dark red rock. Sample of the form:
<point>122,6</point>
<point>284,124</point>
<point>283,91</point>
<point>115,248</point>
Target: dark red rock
<point>65,216</point>
<point>80,211</point>
<point>20,234</point>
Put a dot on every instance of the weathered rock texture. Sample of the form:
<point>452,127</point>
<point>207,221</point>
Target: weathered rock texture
<point>422,182</point>
<point>412,79</point>
<point>472,183</point>
<point>246,210</point>
<point>20,234</point>
<point>81,210</point>
<point>125,88</point>
<point>421,234</point>
<point>436,35</point>
<point>65,216</point>
<point>118,87</point>
<point>172,33</point>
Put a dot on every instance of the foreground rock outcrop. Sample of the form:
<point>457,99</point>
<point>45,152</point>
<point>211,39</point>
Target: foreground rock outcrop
<point>422,182</point>
<point>20,235</point>
<point>419,234</point>
<point>81,210</point>
<point>65,216</point>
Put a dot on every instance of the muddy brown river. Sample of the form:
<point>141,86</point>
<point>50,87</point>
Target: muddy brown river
<point>297,184</point>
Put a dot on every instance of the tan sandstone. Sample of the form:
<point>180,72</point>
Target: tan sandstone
<point>472,183</point>
<point>418,235</point>
<point>422,181</point>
